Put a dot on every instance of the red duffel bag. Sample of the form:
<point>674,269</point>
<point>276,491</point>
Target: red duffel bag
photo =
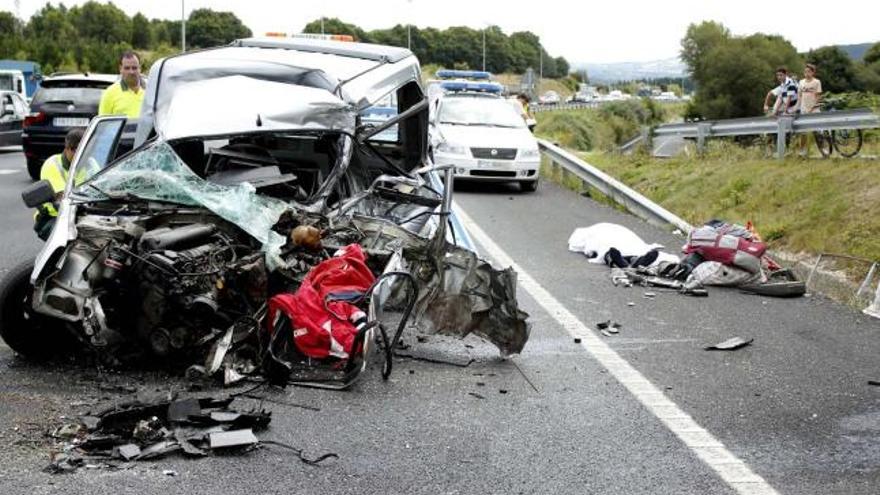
<point>324,322</point>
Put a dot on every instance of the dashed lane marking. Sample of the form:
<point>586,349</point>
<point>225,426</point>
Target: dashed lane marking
<point>733,471</point>
<point>6,171</point>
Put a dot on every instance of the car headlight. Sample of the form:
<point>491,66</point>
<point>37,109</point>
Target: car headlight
<point>451,149</point>
<point>529,153</point>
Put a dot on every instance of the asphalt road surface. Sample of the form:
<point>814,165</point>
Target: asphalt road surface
<point>646,411</point>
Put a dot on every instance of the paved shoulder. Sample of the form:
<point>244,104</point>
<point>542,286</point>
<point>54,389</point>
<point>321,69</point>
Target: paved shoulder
<point>795,405</point>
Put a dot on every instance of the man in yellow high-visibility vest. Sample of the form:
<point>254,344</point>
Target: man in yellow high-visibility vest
<point>55,171</point>
<point>125,96</point>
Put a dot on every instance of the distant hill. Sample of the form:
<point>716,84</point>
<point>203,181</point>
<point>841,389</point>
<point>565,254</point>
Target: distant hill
<point>856,52</point>
<point>628,71</point>
<point>669,67</point>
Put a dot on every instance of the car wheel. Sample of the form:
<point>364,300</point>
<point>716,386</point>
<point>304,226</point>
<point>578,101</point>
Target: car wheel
<point>528,185</point>
<point>34,167</point>
<point>32,335</point>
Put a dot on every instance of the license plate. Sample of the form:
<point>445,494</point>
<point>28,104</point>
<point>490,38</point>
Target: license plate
<point>70,122</point>
<point>491,164</point>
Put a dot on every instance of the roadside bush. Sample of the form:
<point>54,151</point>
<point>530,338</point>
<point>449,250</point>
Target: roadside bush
<point>571,129</point>
<point>605,128</point>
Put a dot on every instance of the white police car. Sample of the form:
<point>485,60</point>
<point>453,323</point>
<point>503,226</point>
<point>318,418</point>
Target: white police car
<point>483,136</point>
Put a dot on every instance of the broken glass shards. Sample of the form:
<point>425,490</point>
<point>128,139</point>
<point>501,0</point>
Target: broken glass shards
<point>156,173</point>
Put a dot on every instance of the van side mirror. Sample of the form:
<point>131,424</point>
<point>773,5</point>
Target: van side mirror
<point>38,193</point>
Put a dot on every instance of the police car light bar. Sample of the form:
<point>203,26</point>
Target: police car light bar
<point>481,87</point>
<point>313,36</point>
<point>463,74</point>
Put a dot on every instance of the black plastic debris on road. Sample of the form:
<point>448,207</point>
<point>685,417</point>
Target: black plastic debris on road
<point>731,344</point>
<point>127,452</point>
<point>181,410</point>
<point>141,430</point>
<point>608,328</point>
<point>230,439</point>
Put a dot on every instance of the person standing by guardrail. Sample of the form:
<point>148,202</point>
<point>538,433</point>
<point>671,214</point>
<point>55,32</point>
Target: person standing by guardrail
<point>786,95</point>
<point>526,111</point>
<point>809,97</point>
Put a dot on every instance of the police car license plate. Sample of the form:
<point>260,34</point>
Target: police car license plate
<point>70,122</point>
<point>491,164</point>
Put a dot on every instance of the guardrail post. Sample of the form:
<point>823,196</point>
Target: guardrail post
<point>704,129</point>
<point>646,139</point>
<point>783,127</point>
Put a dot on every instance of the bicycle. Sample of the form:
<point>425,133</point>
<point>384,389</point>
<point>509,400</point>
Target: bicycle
<point>847,142</point>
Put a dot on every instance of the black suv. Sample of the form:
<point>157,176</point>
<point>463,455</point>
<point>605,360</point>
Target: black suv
<point>62,102</point>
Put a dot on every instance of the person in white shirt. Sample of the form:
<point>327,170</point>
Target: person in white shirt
<point>786,95</point>
<point>809,98</point>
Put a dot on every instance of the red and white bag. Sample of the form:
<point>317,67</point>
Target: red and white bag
<point>714,244</point>
<point>324,323</point>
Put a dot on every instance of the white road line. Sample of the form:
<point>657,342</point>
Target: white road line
<point>706,447</point>
<point>6,171</point>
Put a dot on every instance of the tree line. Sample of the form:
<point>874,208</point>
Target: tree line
<point>91,36</point>
<point>732,74</point>
<point>458,47</point>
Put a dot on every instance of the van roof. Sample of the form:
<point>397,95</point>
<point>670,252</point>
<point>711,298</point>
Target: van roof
<point>354,75</point>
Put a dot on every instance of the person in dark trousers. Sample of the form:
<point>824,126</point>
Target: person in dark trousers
<point>615,259</point>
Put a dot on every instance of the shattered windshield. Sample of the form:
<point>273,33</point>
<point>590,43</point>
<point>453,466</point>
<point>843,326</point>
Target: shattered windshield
<point>157,173</point>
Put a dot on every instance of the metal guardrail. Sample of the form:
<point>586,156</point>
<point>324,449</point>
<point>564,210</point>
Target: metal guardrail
<point>619,192</point>
<point>549,107</point>
<point>862,118</point>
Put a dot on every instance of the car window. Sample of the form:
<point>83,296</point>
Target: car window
<point>377,114</point>
<point>70,94</point>
<point>8,106</point>
<point>479,111</point>
<point>100,148</point>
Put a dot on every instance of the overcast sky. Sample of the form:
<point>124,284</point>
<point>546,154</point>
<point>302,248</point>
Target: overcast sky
<point>634,30</point>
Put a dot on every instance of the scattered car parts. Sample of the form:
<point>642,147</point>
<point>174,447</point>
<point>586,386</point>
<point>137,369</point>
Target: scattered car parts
<point>176,247</point>
<point>730,344</point>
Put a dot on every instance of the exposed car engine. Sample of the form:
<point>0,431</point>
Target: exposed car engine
<point>173,281</point>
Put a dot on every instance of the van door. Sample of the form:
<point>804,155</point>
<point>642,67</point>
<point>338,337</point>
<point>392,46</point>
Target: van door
<point>10,121</point>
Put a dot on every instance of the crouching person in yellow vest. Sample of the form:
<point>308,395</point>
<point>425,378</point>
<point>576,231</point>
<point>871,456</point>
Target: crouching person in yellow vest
<point>55,171</point>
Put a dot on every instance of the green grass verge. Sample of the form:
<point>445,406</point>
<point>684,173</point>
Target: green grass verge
<point>604,128</point>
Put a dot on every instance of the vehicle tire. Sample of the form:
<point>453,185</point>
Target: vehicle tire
<point>528,185</point>
<point>27,333</point>
<point>847,142</point>
<point>777,289</point>
<point>34,167</point>
<point>824,142</point>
